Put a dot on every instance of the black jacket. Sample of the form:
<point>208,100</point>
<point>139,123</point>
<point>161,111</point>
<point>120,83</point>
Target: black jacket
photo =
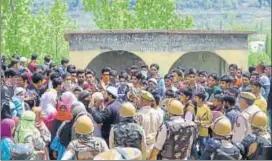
<point>108,117</point>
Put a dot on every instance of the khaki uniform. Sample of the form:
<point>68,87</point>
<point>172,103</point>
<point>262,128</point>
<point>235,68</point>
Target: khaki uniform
<point>242,126</point>
<point>151,121</point>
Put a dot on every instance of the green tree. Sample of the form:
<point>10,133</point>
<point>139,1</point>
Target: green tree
<point>257,58</point>
<point>24,33</point>
<point>57,25</point>
<point>119,14</point>
<point>15,30</point>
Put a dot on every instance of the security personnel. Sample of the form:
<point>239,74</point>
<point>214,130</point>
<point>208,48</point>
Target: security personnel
<point>220,147</point>
<point>175,139</point>
<point>128,133</point>
<point>86,146</point>
<point>149,119</point>
<point>120,153</point>
<point>258,144</point>
<point>242,127</point>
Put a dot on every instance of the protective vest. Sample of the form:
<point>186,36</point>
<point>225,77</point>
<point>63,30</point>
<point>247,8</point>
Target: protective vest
<point>128,134</point>
<point>264,148</point>
<point>177,145</point>
<point>87,150</point>
<point>223,153</point>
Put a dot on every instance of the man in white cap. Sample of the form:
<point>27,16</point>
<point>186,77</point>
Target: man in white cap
<point>242,127</point>
<point>22,65</point>
<point>110,115</point>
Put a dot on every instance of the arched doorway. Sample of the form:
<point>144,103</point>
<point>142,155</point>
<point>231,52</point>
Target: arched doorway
<point>118,60</point>
<point>202,60</point>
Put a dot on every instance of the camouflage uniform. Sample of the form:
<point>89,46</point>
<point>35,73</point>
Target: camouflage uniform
<point>85,148</point>
<point>175,138</point>
<point>128,134</point>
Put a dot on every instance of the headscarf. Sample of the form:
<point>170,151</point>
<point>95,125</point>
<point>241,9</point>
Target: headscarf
<point>67,133</point>
<point>48,102</point>
<point>78,108</point>
<point>68,98</point>
<point>5,109</point>
<point>17,93</point>
<point>63,112</point>
<point>7,125</point>
<point>5,93</point>
<point>82,98</point>
<point>40,116</point>
<point>18,106</point>
<point>26,125</point>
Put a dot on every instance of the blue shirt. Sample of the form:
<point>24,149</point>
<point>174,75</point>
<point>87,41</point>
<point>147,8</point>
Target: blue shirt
<point>232,115</point>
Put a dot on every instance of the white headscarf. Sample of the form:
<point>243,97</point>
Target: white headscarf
<point>48,102</point>
<point>68,98</point>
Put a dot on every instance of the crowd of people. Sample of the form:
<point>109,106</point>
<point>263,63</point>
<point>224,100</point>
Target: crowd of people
<point>51,112</point>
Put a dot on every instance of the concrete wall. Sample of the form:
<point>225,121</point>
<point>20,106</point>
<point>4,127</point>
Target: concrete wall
<point>164,48</point>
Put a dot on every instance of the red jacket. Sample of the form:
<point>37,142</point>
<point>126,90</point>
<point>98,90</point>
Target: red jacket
<point>31,65</point>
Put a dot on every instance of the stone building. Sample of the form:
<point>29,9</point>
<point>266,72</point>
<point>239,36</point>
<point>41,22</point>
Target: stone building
<point>120,49</point>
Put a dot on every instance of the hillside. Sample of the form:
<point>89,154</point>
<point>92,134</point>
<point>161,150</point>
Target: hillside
<point>207,14</point>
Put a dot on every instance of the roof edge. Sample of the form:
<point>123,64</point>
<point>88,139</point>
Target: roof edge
<point>68,33</point>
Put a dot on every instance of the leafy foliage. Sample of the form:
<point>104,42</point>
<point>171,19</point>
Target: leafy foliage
<point>257,58</point>
<point>24,33</point>
<point>120,14</point>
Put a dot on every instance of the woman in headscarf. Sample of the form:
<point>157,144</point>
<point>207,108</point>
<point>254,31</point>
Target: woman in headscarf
<point>68,98</point>
<point>76,90</point>
<point>5,103</point>
<point>27,133</point>
<point>18,100</point>
<point>48,104</point>
<point>85,97</point>
<point>67,133</point>
<point>45,133</point>
<point>7,141</point>
<point>63,116</point>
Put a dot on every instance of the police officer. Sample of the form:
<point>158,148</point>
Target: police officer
<point>175,139</point>
<point>128,133</point>
<point>242,127</point>
<point>258,144</point>
<point>220,147</point>
<point>86,146</point>
<point>149,119</point>
<point>120,153</point>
